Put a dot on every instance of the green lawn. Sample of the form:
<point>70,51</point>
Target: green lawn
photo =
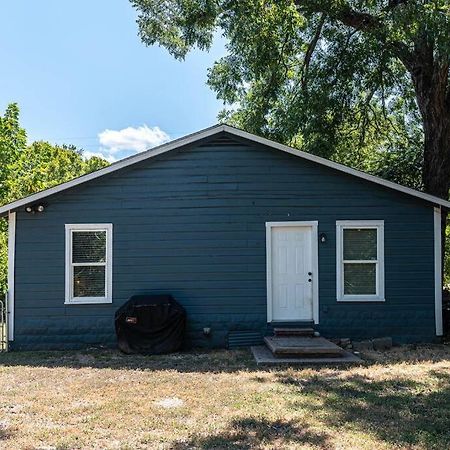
<point>220,399</point>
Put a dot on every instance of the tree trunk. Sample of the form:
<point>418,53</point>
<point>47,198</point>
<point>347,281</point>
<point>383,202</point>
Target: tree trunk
<point>431,84</point>
<point>436,167</point>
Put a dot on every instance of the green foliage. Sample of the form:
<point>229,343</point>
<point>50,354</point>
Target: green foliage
<point>177,25</point>
<point>42,165</point>
<point>25,170</point>
<point>326,76</point>
<point>12,141</point>
<point>383,150</point>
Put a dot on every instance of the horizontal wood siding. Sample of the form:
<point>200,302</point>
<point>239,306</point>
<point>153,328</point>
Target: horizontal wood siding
<point>192,223</point>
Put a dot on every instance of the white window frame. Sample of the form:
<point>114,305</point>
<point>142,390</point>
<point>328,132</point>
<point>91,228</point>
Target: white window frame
<point>69,298</point>
<point>341,225</point>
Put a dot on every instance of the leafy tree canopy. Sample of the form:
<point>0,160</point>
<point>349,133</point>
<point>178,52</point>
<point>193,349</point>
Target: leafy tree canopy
<point>12,140</point>
<point>344,79</point>
<point>42,165</point>
<point>26,169</point>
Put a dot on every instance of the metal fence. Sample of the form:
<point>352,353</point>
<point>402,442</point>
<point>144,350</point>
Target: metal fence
<point>3,325</point>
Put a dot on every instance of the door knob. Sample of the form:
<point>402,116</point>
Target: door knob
<point>309,273</point>
<point>309,280</point>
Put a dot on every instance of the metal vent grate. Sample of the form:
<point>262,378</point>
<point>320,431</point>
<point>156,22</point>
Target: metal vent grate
<point>244,339</point>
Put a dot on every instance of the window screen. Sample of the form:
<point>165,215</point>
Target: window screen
<point>89,247</point>
<point>360,256</point>
<point>89,261</point>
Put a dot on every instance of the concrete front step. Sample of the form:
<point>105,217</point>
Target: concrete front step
<point>302,346</point>
<point>306,331</point>
<point>264,356</point>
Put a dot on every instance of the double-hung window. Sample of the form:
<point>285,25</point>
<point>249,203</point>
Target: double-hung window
<point>88,263</point>
<point>360,260</point>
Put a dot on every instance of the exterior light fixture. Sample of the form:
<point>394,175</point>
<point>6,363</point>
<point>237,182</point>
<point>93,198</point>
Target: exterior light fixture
<point>323,238</point>
<point>33,209</point>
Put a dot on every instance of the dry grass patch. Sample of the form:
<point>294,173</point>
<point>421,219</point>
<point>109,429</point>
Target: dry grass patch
<point>220,399</point>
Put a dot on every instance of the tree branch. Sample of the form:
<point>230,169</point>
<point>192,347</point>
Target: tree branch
<point>403,53</point>
<point>355,19</point>
<point>310,51</point>
<point>359,21</point>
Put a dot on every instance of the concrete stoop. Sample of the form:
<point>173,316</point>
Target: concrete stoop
<point>301,346</point>
<point>264,356</point>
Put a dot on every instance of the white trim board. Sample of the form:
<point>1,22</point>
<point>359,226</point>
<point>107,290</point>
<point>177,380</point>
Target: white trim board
<point>438,271</point>
<point>206,133</point>
<point>315,263</point>
<point>69,298</point>
<point>11,273</point>
<point>380,285</point>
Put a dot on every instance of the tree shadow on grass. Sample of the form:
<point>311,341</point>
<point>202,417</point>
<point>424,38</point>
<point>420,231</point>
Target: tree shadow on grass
<point>252,433</point>
<point>202,361</point>
<point>401,412</point>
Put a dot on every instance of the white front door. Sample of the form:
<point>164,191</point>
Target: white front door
<point>290,272</point>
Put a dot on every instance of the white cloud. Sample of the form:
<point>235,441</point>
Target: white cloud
<point>131,139</point>
<point>105,155</point>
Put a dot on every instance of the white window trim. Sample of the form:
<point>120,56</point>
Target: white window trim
<point>358,224</point>
<point>69,299</point>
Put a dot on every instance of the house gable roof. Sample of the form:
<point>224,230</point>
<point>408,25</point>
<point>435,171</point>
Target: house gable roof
<point>206,133</point>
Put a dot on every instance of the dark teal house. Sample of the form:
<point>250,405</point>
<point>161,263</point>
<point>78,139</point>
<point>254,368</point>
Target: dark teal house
<point>244,232</point>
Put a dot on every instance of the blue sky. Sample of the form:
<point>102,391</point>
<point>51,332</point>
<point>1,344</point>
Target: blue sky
<point>80,75</point>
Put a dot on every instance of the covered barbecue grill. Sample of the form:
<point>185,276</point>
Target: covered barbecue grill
<point>150,324</point>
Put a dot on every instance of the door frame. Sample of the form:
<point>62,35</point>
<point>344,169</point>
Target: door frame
<point>315,264</point>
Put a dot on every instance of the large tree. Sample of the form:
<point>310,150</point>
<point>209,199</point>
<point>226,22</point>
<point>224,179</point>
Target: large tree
<point>325,75</point>
<point>42,165</point>
<point>12,140</point>
<point>26,169</point>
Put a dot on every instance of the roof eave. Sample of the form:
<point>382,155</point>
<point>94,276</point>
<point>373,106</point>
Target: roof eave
<point>340,167</point>
<point>208,132</point>
<point>186,140</point>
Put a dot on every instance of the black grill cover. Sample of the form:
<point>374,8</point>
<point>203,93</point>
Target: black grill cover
<point>150,324</point>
